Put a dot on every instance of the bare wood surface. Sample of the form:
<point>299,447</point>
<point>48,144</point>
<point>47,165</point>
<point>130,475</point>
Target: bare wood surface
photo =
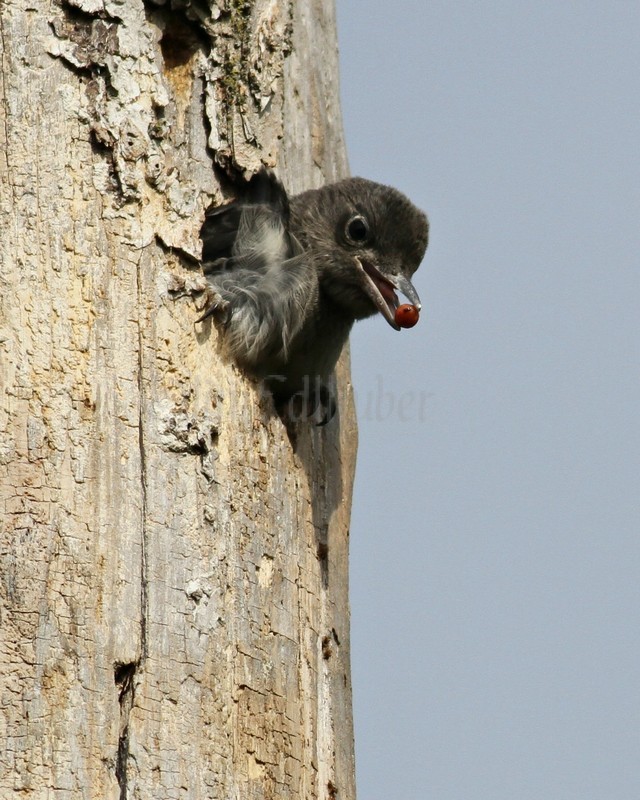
<point>173,574</point>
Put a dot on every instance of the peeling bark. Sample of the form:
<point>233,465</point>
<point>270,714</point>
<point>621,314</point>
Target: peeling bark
<point>173,562</point>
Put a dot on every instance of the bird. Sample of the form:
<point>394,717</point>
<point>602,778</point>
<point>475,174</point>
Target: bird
<point>287,277</point>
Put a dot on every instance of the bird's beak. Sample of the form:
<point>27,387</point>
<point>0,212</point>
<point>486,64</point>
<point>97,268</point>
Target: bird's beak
<point>381,289</point>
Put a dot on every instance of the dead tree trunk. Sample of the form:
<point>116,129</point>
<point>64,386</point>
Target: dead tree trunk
<point>173,576</point>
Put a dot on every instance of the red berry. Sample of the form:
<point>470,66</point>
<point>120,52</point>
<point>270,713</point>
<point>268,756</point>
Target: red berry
<point>407,315</point>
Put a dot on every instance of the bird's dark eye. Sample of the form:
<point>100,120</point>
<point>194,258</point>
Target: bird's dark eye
<point>357,230</point>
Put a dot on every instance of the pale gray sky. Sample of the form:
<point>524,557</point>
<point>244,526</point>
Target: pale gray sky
<point>495,545</point>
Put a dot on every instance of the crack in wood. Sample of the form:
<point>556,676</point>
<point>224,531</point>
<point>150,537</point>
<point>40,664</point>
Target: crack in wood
<point>123,675</point>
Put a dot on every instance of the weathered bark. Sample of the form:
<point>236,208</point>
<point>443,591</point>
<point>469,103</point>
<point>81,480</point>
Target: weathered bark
<point>173,576</point>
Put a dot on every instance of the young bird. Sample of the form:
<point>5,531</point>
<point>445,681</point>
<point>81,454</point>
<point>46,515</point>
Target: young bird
<point>289,276</point>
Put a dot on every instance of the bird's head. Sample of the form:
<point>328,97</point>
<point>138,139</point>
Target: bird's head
<point>367,240</point>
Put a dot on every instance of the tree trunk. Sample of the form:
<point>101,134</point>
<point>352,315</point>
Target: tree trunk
<point>173,576</point>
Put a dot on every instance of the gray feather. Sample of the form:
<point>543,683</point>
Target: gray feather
<point>293,278</point>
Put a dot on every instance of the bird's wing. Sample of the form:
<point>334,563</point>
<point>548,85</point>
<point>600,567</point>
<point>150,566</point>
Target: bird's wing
<point>269,310</point>
<point>252,231</point>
